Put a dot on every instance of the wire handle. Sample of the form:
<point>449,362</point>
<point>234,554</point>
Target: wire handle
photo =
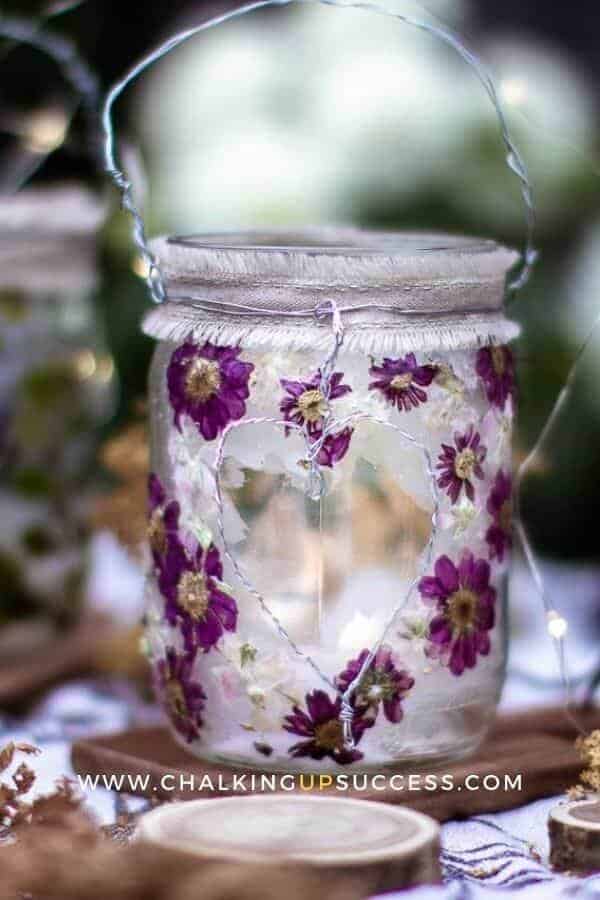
<point>155,279</point>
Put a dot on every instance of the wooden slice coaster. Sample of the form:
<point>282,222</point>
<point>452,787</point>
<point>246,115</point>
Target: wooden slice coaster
<point>574,830</point>
<point>391,847</point>
<point>526,757</point>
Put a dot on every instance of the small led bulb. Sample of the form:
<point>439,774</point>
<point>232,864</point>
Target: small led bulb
<point>557,625</point>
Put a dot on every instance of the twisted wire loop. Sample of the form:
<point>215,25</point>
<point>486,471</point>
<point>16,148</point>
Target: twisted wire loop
<point>155,278</point>
<point>75,70</point>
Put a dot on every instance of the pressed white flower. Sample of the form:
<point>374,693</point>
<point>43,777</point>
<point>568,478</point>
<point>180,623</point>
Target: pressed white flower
<point>496,434</point>
<point>460,517</point>
<point>266,680</point>
<point>414,630</point>
<point>195,487</point>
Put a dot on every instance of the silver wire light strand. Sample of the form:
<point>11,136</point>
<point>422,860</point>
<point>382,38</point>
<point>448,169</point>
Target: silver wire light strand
<point>317,492</point>
<point>514,160</point>
<point>524,539</point>
<point>347,706</point>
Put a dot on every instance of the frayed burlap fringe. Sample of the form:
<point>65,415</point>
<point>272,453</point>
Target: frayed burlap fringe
<point>174,323</point>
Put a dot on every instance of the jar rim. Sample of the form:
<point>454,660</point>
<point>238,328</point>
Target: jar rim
<point>342,259</point>
<point>322,242</point>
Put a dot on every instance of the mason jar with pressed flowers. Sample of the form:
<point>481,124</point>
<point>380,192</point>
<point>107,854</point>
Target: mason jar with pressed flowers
<point>57,389</point>
<point>331,421</point>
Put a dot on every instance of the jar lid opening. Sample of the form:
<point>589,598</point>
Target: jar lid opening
<point>325,242</point>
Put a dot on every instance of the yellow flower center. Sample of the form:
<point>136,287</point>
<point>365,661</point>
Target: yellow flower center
<point>377,685</point>
<point>157,534</point>
<point>175,698</point>
<point>464,464</point>
<point>312,405</point>
<point>498,360</point>
<point>193,595</point>
<point>505,516</point>
<point>462,609</point>
<point>330,735</point>
<point>202,380</point>
<point>401,382</point>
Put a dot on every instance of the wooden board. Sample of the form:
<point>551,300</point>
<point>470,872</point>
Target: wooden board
<point>536,745</point>
<point>67,656</point>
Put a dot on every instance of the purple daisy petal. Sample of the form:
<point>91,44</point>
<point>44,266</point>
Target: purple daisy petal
<point>446,573</point>
<point>320,707</point>
<point>383,682</point>
<point>499,506</point>
<point>182,698</point>
<point>495,366</point>
<point>440,631</point>
<point>458,465</point>
<point>457,660</point>
<point>465,611</point>
<point>194,600</point>
<point>305,404</point>
<point>335,447</point>
<point>401,381</point>
<point>209,384</point>
<point>163,524</point>
<point>322,728</point>
<point>430,588</point>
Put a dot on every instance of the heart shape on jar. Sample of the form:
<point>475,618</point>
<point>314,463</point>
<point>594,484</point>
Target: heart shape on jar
<point>335,426</point>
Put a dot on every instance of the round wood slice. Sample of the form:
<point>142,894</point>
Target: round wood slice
<point>392,846</point>
<point>574,830</point>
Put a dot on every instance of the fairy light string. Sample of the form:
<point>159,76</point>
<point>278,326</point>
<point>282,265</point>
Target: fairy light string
<point>317,490</point>
<point>556,624</point>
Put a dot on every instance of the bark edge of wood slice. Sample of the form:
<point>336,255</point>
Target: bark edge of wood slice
<point>574,831</point>
<point>392,847</point>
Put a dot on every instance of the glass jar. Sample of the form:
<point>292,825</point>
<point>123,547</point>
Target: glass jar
<point>56,389</point>
<point>331,473</point>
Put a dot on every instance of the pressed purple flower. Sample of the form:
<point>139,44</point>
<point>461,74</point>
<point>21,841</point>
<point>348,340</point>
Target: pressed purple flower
<point>499,506</point>
<point>496,368</point>
<point>335,447</point>
<point>383,682</point>
<point>182,698</point>
<point>322,730</point>
<point>459,464</point>
<point>209,384</point>
<point>402,381</point>
<point>464,601</point>
<point>305,403</point>
<point>163,522</point>
<point>194,599</point>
